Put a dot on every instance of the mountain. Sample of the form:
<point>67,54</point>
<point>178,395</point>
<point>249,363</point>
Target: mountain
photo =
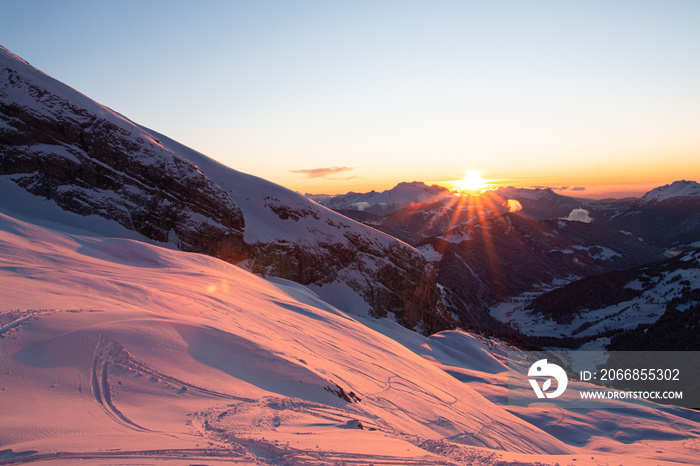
<point>493,247</point>
<point>677,190</point>
<point>655,307</point>
<point>502,257</point>
<point>114,350</point>
<point>62,146</point>
<point>386,202</point>
<point>668,216</point>
<point>125,344</point>
<point>539,203</point>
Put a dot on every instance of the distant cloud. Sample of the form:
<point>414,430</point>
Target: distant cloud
<point>561,188</point>
<point>514,205</point>
<point>553,188</point>
<point>360,205</point>
<point>324,172</point>
<point>579,215</point>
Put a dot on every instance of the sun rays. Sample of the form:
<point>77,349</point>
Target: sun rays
<point>479,219</point>
<point>472,182</point>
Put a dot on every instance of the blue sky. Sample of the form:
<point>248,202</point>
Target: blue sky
<point>530,92</point>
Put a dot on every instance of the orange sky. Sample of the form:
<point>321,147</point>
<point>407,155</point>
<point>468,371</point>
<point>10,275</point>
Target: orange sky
<point>329,97</point>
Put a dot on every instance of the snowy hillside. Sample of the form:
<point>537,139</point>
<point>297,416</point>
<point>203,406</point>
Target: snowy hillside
<point>619,305</point>
<point>677,189</point>
<point>115,350</point>
<point>60,145</point>
<point>142,347</point>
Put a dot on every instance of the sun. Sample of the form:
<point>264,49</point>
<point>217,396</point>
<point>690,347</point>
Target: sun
<point>472,181</point>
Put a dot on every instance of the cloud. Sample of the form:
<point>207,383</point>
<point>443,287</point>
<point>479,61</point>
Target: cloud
<point>561,188</point>
<point>553,188</point>
<point>514,205</point>
<point>323,172</point>
<point>360,205</point>
<point>579,215</point>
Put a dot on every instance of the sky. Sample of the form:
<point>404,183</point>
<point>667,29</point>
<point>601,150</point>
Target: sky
<point>333,96</point>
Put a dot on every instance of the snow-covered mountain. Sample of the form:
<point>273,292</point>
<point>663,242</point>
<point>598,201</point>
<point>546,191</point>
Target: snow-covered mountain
<point>668,216</point>
<point>60,145</point>
<point>655,307</point>
<point>498,245</point>
<point>386,202</point>
<point>113,350</point>
<point>495,246</point>
<point>675,190</point>
<point>500,258</point>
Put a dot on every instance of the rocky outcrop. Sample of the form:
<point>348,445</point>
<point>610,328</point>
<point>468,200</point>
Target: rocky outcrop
<point>391,279</point>
<point>90,165</point>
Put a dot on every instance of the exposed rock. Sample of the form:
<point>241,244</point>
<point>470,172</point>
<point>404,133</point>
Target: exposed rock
<point>90,165</point>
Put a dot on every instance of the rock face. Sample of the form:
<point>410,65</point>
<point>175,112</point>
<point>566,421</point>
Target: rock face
<point>88,164</point>
<point>58,144</point>
<point>390,278</point>
<point>292,237</point>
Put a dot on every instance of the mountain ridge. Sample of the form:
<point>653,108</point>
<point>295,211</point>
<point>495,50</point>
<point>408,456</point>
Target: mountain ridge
<point>59,144</point>
<point>680,188</point>
<point>493,247</point>
<point>402,195</point>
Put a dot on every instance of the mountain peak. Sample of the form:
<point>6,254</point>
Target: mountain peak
<point>681,188</point>
<point>402,195</point>
<point>411,184</point>
<point>524,193</point>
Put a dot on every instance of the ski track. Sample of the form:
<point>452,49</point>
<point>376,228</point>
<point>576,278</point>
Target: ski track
<point>277,456</point>
<point>15,323</point>
<point>213,425</point>
<point>273,453</point>
<point>25,317</point>
<point>28,315</point>
<point>109,352</point>
<point>100,386</point>
<point>204,454</point>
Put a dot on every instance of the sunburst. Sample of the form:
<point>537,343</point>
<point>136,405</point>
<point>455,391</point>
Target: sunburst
<point>472,182</point>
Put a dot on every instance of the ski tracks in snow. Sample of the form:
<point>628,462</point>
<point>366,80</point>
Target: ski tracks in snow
<point>110,353</point>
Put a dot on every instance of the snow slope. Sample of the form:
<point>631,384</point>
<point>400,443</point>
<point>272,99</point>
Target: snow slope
<point>112,349</point>
<point>682,189</point>
<point>126,345</point>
